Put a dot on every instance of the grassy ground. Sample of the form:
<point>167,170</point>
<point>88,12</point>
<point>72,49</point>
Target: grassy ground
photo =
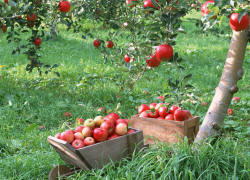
<point>27,98</point>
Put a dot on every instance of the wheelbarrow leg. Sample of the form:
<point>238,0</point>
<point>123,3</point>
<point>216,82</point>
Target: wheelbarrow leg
<point>58,170</point>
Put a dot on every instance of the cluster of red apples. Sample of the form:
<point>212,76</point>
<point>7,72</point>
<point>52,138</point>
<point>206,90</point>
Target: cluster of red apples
<point>95,130</point>
<point>161,111</point>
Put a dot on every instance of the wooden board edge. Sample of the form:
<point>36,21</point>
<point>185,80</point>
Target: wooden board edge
<point>71,150</point>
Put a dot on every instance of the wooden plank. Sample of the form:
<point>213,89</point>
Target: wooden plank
<point>68,153</point>
<point>102,153</point>
<point>164,130</point>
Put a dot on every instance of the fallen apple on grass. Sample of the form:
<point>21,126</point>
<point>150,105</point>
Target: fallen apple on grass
<point>79,121</point>
<point>230,111</point>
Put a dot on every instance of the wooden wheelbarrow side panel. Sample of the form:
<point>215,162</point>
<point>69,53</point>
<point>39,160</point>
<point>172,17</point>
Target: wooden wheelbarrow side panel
<point>68,153</point>
<point>102,153</point>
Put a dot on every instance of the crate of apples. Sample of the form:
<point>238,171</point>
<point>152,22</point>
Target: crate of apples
<point>93,142</point>
<point>160,121</point>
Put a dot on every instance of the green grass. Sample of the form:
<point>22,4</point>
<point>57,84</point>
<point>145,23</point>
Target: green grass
<point>27,98</point>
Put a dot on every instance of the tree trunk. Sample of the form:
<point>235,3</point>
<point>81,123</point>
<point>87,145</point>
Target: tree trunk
<point>224,92</point>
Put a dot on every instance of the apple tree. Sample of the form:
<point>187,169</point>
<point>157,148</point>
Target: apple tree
<point>237,12</point>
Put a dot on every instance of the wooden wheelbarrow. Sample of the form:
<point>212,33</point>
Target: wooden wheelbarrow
<point>96,155</point>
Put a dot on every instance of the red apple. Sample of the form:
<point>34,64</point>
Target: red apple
<point>32,18</point>
<point>121,121</point>
<point>67,136</point>
<point>121,129</point>
<point>152,105</point>
<point>204,9</point>
<point>78,143</point>
<point>114,115</point>
<point>230,112</point>
<point>153,62</point>
<point>160,118</point>
<point>79,129</point>
<point>97,43</point>
<point>109,44</point>
<point>71,131</point>
<point>130,131</point>
<point>102,109</point>
<point>79,135</point>
<point>37,41</point>
<point>109,126</point>
<point>179,115</point>
<point>188,114</point>
<point>169,117</point>
<point>143,114</point>
<point>64,6</point>
<point>204,104</point>
<point>142,108</point>
<point>88,141</point>
<point>236,25</point>
<point>163,111</point>
<point>236,99</point>
<point>100,135</point>
<point>79,121</point>
<point>58,136</point>
<point>98,121</point>
<point>161,98</point>
<point>153,114</point>
<point>112,136</point>
<point>159,105</point>
<point>89,123</point>
<point>173,108</point>
<point>110,119</point>
<point>127,58</point>
<point>87,132</point>
<point>164,52</point>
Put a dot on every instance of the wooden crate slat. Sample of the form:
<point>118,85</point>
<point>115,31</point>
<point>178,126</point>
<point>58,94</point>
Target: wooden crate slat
<point>115,149</point>
<point>165,130</point>
<point>68,153</point>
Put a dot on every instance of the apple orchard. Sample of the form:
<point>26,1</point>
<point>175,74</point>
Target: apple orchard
<point>152,27</point>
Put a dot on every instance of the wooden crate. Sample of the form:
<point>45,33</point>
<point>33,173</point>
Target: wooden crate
<point>99,154</point>
<point>165,130</point>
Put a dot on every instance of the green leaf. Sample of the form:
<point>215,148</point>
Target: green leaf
<point>31,127</point>
<point>241,14</point>
<point>185,80</point>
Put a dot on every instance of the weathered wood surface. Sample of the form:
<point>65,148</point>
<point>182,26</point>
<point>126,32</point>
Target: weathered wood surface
<point>165,130</point>
<point>115,149</point>
<point>99,154</point>
<point>68,153</point>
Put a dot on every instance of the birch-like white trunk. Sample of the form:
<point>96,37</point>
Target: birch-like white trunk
<point>224,92</point>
